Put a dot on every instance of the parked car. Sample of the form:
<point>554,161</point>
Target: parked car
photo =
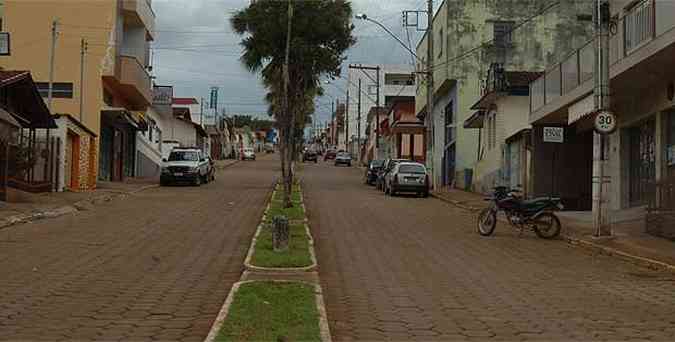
<point>371,172</point>
<point>407,177</point>
<point>269,148</point>
<point>185,165</point>
<point>330,155</point>
<point>249,154</point>
<point>310,155</point>
<point>387,166</point>
<point>343,158</point>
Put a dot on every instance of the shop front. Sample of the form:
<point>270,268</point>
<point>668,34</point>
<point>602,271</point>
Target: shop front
<point>118,144</point>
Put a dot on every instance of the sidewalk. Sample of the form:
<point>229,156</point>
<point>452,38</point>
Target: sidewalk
<point>629,241</point>
<point>33,207</point>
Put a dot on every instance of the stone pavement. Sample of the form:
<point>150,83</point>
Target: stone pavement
<point>629,231</point>
<point>413,269</point>
<point>154,266</point>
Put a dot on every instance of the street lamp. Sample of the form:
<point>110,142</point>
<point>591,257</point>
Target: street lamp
<point>363,16</point>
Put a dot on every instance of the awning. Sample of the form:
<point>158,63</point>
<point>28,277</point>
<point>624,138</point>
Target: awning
<point>475,120</point>
<point>581,109</point>
<point>8,118</point>
<point>486,100</point>
<point>123,116</point>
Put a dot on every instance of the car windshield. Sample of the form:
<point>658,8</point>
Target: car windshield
<point>377,163</point>
<point>184,156</point>
<point>410,168</point>
<point>343,155</point>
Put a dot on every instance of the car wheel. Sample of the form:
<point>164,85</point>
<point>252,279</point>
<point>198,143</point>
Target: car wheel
<point>198,181</point>
<point>349,164</point>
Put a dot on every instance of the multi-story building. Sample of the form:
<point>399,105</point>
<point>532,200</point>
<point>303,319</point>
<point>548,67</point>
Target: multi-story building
<point>641,153</point>
<point>521,35</point>
<point>107,94</point>
<point>396,82</point>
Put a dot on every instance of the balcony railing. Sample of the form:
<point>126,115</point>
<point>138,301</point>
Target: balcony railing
<point>134,74</point>
<point>640,25</point>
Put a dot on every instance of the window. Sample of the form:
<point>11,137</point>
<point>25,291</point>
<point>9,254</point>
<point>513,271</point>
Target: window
<point>450,126</point>
<point>59,89</point>
<point>440,43</point>
<point>502,33</point>
<point>107,98</point>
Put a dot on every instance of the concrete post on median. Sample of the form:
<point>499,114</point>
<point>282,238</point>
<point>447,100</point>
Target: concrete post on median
<point>280,233</point>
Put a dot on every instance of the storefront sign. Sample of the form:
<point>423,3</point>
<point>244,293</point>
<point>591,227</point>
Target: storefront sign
<point>162,95</point>
<point>554,134</point>
<point>605,122</point>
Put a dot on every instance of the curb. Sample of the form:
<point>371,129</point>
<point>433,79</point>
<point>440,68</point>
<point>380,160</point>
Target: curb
<point>574,241</point>
<point>82,205</point>
<point>324,329</point>
<point>223,167</point>
<point>252,268</point>
<point>458,204</point>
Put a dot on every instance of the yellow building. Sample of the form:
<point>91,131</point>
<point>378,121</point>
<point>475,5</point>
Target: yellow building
<point>103,112</point>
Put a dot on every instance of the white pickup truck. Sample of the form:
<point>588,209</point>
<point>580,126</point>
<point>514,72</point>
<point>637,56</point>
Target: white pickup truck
<point>185,165</point>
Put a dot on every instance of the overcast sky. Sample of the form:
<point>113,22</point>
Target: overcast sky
<point>194,49</point>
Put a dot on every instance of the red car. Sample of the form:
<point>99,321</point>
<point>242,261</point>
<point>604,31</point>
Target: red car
<point>330,155</point>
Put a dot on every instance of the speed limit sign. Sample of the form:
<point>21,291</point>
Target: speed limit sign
<point>605,122</point>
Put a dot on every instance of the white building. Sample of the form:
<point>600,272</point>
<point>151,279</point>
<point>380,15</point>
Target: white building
<point>396,81</point>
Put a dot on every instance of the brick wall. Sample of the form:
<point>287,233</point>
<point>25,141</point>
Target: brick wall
<point>88,163</point>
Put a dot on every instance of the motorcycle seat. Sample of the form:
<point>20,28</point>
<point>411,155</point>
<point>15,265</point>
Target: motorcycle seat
<point>540,200</point>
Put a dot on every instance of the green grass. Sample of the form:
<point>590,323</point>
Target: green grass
<point>267,311</point>
<point>293,213</point>
<point>297,255</point>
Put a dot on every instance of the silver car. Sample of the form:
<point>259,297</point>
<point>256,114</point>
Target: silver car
<point>407,177</point>
<point>343,158</point>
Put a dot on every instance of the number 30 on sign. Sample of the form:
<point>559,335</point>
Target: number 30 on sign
<point>605,122</point>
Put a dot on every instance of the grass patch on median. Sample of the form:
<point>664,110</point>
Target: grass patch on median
<point>269,311</point>
<point>296,212</point>
<point>298,254</point>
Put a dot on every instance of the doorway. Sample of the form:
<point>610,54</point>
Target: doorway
<point>642,167</point>
<point>72,162</point>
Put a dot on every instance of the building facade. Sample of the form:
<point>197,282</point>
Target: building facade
<point>468,37</point>
<point>640,154</point>
<point>115,90</point>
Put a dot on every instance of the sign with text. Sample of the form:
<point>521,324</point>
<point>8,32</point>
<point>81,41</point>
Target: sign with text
<point>554,134</point>
<point>162,95</point>
<point>605,122</point>
<point>213,103</point>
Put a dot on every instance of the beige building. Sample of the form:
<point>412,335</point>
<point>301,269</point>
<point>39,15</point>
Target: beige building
<point>469,36</point>
<point>641,153</point>
<point>117,87</point>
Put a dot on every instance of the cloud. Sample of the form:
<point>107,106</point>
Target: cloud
<point>192,60</point>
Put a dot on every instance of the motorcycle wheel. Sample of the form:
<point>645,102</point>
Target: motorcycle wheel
<point>547,226</point>
<point>487,221</point>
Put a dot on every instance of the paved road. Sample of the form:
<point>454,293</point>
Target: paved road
<point>157,265</point>
<point>415,269</point>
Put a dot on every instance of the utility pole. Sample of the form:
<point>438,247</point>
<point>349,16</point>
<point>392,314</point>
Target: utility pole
<point>358,124</point>
<point>430,93</point>
<point>52,56</point>
<point>601,93</point>
<point>377,114</point>
<point>83,52</point>
<point>201,111</point>
<point>347,123</point>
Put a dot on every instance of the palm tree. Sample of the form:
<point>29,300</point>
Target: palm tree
<point>321,33</point>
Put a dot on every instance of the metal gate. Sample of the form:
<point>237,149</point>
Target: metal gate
<point>642,161</point>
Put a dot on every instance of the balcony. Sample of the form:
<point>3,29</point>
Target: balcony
<point>135,82</point>
<point>644,40</point>
<point>140,13</point>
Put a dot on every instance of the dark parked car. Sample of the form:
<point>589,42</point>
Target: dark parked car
<point>371,172</point>
<point>388,166</point>
<point>330,155</point>
<point>310,155</point>
<point>343,158</point>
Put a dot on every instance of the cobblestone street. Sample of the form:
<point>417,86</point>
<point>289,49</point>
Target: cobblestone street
<point>155,265</point>
<point>404,268</point>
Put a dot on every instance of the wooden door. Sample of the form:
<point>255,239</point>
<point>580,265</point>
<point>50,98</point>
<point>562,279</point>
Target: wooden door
<point>67,170</point>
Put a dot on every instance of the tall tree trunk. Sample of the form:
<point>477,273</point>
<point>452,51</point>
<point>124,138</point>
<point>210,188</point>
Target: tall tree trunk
<point>288,113</point>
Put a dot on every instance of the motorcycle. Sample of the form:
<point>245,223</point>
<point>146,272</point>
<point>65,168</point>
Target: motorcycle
<point>536,214</point>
